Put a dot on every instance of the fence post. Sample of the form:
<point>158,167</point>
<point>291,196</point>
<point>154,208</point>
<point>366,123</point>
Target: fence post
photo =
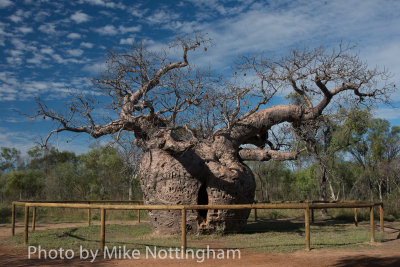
<point>183,230</point>
<point>307,227</point>
<point>34,219</point>
<point>255,215</point>
<point>372,226</point>
<point>381,216</point>
<point>89,215</point>
<point>138,216</point>
<point>102,228</point>
<point>355,217</point>
<point>26,224</point>
<point>13,219</point>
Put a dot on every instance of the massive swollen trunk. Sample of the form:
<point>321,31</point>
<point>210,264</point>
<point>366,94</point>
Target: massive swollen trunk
<point>191,178</point>
<point>206,171</point>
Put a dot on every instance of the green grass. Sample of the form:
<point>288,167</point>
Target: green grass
<point>287,236</point>
<point>272,236</point>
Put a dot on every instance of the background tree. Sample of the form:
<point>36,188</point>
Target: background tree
<point>377,156</point>
<point>275,181</point>
<point>327,139</point>
<point>192,126</point>
<point>10,159</point>
<point>103,168</point>
<point>26,185</point>
<point>131,155</point>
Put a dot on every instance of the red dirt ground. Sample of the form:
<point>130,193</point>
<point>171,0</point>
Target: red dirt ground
<point>386,253</point>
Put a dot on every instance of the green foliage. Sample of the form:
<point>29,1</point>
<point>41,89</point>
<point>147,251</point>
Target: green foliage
<point>306,183</point>
<point>9,159</point>
<point>104,170</point>
<point>5,214</point>
<point>102,173</point>
<point>26,184</point>
<point>274,180</point>
<point>43,159</point>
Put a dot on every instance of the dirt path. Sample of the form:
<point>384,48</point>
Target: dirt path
<point>386,253</point>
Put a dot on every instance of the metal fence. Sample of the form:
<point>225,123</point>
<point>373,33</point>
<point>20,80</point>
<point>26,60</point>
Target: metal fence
<point>307,206</point>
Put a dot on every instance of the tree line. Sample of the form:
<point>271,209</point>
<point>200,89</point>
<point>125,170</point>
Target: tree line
<point>104,172</point>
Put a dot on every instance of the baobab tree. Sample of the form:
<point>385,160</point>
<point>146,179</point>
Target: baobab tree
<point>196,129</point>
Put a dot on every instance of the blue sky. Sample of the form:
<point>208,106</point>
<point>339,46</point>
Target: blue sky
<point>50,47</point>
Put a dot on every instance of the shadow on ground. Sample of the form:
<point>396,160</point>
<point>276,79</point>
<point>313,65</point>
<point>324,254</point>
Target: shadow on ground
<point>264,226</point>
<point>9,259</point>
<point>369,261</point>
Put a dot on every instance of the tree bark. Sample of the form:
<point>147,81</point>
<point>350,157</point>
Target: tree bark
<point>193,177</point>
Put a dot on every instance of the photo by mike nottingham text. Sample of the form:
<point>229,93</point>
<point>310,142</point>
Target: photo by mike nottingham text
<point>122,253</point>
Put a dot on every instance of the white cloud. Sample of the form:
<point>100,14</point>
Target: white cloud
<point>58,58</point>
<point>16,55</point>
<point>278,26</point>
<point>87,45</point>
<point>80,17</point>
<point>75,52</point>
<point>25,30</point>
<point>41,15</point>
<point>22,140</point>
<point>14,60</point>
<point>103,3</point>
<point>124,30</point>
<point>48,28</point>
<point>20,15</point>
<point>36,59</point>
<point>5,3</point>
<point>211,7</point>
<point>74,35</point>
<point>3,33</point>
<point>8,77</point>
<point>111,30</point>
<point>18,44</point>
<point>16,120</point>
<point>47,50</point>
<point>385,56</point>
<point>127,41</point>
<point>162,16</point>
<point>107,30</point>
<point>8,89</point>
<point>138,11</point>
<point>27,89</point>
<point>37,86</point>
<point>15,18</point>
<point>95,68</point>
